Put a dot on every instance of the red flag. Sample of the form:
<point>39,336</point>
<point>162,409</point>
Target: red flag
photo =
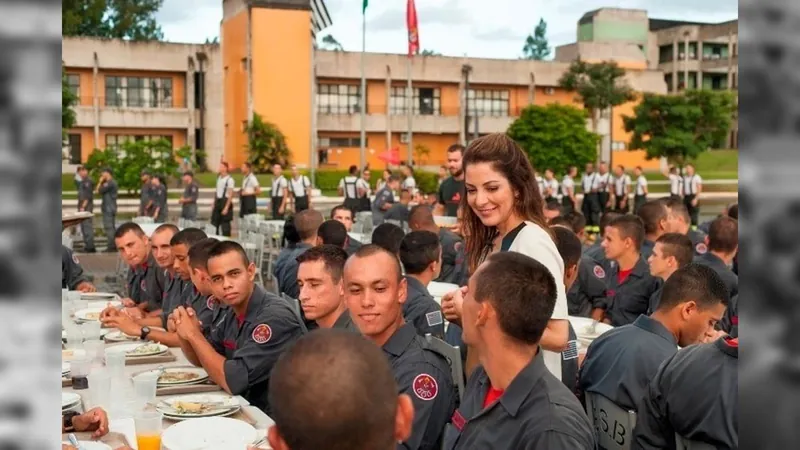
<point>413,30</point>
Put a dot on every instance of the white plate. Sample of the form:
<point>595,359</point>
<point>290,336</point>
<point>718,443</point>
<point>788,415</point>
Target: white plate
<point>81,314</point>
<point>438,290</point>
<point>91,445</point>
<point>228,402</point>
<point>119,336</point>
<point>69,399</point>
<point>445,221</point>
<point>210,433</point>
<point>69,355</point>
<point>582,327</point>
<point>203,375</point>
<point>64,367</point>
<point>216,413</point>
<point>125,348</point>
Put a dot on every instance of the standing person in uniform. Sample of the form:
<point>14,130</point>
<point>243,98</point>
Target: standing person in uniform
<point>590,206</point>
<point>550,187</point>
<point>300,186</point>
<point>244,345</point>
<point>452,189</point>
<point>72,276</point>
<point>364,191</point>
<point>671,252</point>
<point>108,189</point>
<point>250,191</point>
<point>159,208</point>
<point>346,216</point>
<point>675,182</point>
<point>628,282</point>
<point>692,187</point>
<point>640,192</point>
<point>387,173</point>
<point>222,214</point>
<point>539,182</point>
<point>421,255</point>
<point>348,189</point>
<point>694,394</point>
<point>398,212</point>
<point>679,221</point>
<point>146,195</point>
<point>319,279</point>
<point>603,187</point>
<point>285,269</point>
<point>454,263</point>
<point>512,400</point>
<point>384,200</point>
<point>280,192</point>
<point>655,218</point>
<point>568,199</point>
<point>622,189</point>
<point>188,200</point>
<point>409,183</point>
<point>374,416</point>
<point>723,244</point>
<point>86,204</point>
<point>620,363</point>
<point>375,292</point>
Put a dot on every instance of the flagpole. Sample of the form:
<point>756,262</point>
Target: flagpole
<point>363,155</point>
<point>410,111</point>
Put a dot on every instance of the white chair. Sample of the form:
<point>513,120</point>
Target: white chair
<point>681,443</point>
<point>66,241</point>
<point>209,229</point>
<point>363,223</point>
<point>255,217</point>
<point>143,219</point>
<point>254,246</point>
<point>453,357</point>
<point>613,424</point>
<point>294,304</point>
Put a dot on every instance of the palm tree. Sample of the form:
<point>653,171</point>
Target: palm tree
<point>331,41</point>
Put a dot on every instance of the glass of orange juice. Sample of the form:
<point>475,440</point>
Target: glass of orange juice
<point>148,429</point>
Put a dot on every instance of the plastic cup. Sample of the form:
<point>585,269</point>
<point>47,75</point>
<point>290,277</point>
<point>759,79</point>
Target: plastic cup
<point>79,372</point>
<point>115,364</point>
<point>91,330</point>
<point>74,337</point>
<point>144,387</point>
<point>148,429</point>
<point>100,388</point>
<point>94,349</point>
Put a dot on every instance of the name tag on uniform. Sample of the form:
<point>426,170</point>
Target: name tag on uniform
<point>571,352</point>
<point>434,318</point>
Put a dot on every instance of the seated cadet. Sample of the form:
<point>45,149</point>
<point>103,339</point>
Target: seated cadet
<point>162,253</point>
<point>654,215</point>
<point>346,216</point>
<point>572,221</point>
<point>671,252</point>
<point>620,363</point>
<point>332,232</point>
<point>319,277</point>
<point>694,394</point>
<point>206,307</point>
<point>72,276</point>
<point>245,343</point>
<point>374,417</point>
<point>552,209</point>
<point>384,199</point>
<point>589,290</point>
<point>454,268</point>
<point>512,401</point>
<point>94,420</point>
<point>730,321</point>
<point>595,251</point>
<point>388,236</point>
<point>679,221</point>
<point>722,243</point>
<point>285,271</point>
<point>629,284</point>
<point>569,247</point>
<point>399,211</point>
<point>375,291</point>
<point>421,256</point>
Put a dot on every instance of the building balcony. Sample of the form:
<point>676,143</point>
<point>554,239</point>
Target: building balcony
<point>127,117</point>
<point>428,124</point>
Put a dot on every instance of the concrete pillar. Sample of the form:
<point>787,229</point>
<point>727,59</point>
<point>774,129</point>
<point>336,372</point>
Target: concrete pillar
<point>532,90</point>
<point>190,105</point>
<point>686,61</point>
<point>675,65</point>
<point>388,107</point>
<point>462,110</point>
<point>96,103</point>
<point>699,64</point>
<point>730,61</point>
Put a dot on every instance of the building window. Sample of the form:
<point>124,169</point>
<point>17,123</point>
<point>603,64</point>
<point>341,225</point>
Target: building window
<point>668,81</point>
<point>618,146</point>
<point>74,84</point>
<point>138,92</point>
<point>199,98</point>
<point>75,150</point>
<point>114,91</point>
<point>665,53</point>
<point>426,101</point>
<point>486,102</point>
<point>338,99</point>
<point>115,140</point>
<point>339,142</point>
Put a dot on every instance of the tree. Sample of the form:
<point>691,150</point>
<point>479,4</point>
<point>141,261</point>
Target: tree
<point>122,19</point>
<point>266,145</point>
<point>422,152</point>
<point>427,52</point>
<point>129,160</point>
<point>536,45</point>
<point>680,127</point>
<point>214,40</point>
<point>554,136</point>
<point>599,86</point>
<point>332,43</point>
<point>68,100</point>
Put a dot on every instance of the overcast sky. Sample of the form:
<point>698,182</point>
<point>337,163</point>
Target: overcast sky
<point>478,28</point>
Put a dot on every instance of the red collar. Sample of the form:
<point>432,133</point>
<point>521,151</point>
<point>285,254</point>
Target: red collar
<point>732,342</point>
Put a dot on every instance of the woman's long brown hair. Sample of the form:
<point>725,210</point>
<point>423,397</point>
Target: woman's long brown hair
<point>506,157</point>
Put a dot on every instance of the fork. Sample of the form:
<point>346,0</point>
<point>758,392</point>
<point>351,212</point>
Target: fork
<point>259,442</point>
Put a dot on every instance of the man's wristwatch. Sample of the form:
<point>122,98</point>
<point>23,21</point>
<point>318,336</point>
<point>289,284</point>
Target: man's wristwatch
<point>66,421</point>
<point>144,333</point>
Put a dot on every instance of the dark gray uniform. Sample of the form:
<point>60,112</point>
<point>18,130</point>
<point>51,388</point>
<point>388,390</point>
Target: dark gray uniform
<point>730,320</point>
<point>620,363</point>
<point>207,307</point>
<point>146,284</point>
<point>569,362</point>
<point>71,271</point>
<point>160,202</point>
<point>145,199</point>
<point>696,395</point>
<point>596,251</point>
<point>285,269</point>
<point>422,311</point>
<point>382,197</point>
<point>450,193</point>
<point>252,347</point>
<point>730,279</point>
<point>536,411</point>
<point>627,300</point>
<point>647,248</point>
<point>109,190</point>
<point>352,245</point>
<point>398,212</point>
<point>655,299</point>
<point>423,375</point>
<point>345,322</point>
<point>589,290</point>
<point>698,239</point>
<point>189,210</point>
<point>86,194</point>
<point>454,266</point>
<point>173,296</point>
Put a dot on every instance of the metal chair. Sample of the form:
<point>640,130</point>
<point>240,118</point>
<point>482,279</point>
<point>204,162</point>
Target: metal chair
<point>682,443</point>
<point>254,246</point>
<point>453,357</point>
<point>614,425</point>
<point>143,219</point>
<point>209,229</point>
<point>294,304</point>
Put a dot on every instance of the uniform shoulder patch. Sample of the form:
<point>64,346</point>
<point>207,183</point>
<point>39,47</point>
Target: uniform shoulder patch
<point>211,302</point>
<point>75,258</point>
<point>701,248</point>
<point>425,387</point>
<point>143,285</point>
<point>599,272</point>
<point>434,318</point>
<point>262,334</point>
<point>458,246</point>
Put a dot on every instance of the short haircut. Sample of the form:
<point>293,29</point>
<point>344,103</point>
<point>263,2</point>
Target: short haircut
<point>456,148</point>
<point>676,208</point>
<point>332,256</point>
<point>167,227</point>
<point>405,193</point>
<point>188,237</point>
<point>335,390</point>
<point>108,170</point>
<point>373,249</point>
<point>733,211</point>
<point>553,205</point>
<point>605,220</point>
<point>418,250</point>
<point>394,177</point>
<point>568,245</point>
<point>388,236</point>
<point>578,221</point>
<point>630,226</point>
<point>639,168</point>
<point>333,232</point>
<point>343,208</point>
<point>522,290</point>
<point>420,216</point>
<point>678,246</point>
<point>290,234</point>
<point>693,282</point>
<point>652,213</point>
<point>247,164</point>
<point>188,173</point>
<point>129,227</point>
<point>352,170</point>
<point>198,253</point>
<point>723,235</point>
<point>224,247</point>
<point>307,223</point>
<point>224,164</point>
<point>560,221</point>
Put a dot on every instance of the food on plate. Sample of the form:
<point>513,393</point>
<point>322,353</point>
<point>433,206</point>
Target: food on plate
<point>145,349</point>
<point>172,377</point>
<point>92,316</point>
<point>191,407</point>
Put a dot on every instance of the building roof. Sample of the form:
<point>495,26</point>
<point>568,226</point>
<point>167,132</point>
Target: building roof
<point>663,24</point>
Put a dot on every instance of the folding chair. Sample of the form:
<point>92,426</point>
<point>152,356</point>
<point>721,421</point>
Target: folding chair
<point>453,357</point>
<point>143,219</point>
<point>614,425</point>
<point>66,241</point>
<point>294,304</point>
<point>209,229</point>
<point>254,246</point>
<point>681,443</point>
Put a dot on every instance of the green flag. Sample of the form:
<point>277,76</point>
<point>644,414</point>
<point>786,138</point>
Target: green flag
<point>364,9</point>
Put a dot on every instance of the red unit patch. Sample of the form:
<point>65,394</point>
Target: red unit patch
<point>425,387</point>
<point>262,333</point>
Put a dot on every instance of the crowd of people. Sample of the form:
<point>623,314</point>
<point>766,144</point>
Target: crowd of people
<point>523,267</point>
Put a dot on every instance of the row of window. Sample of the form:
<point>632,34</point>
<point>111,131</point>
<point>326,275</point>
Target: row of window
<point>709,51</point>
<point>346,99</point>
<point>74,143</point>
<point>134,92</point>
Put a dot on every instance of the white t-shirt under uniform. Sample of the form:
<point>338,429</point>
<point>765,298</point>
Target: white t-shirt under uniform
<point>533,241</point>
<point>278,186</point>
<point>223,184</point>
<point>691,184</point>
<point>298,186</point>
<point>641,185</point>
<point>249,184</point>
